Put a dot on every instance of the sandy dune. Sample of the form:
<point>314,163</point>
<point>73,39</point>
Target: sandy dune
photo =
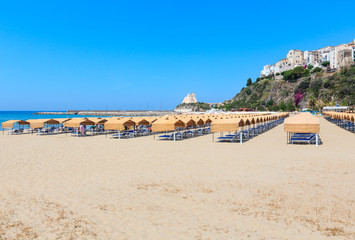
<point>58,187</point>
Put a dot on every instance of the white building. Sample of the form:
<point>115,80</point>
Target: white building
<point>353,50</point>
<point>338,56</point>
<point>266,70</point>
<point>311,58</point>
<point>270,70</point>
<point>295,58</point>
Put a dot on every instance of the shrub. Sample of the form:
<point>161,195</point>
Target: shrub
<point>344,91</point>
<point>352,69</point>
<point>277,74</point>
<point>304,85</point>
<point>274,108</point>
<point>306,73</point>
<point>325,63</point>
<point>310,66</point>
<point>282,106</point>
<point>315,85</point>
<point>317,69</point>
<point>327,83</point>
<point>290,106</point>
<point>269,103</point>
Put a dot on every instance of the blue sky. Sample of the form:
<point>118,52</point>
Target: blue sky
<point>59,55</point>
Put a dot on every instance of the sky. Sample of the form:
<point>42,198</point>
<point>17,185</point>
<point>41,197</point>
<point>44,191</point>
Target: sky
<point>137,55</point>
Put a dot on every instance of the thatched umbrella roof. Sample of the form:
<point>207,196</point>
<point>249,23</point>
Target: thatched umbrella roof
<point>39,123</point>
<point>227,125</point>
<point>76,122</point>
<point>98,120</point>
<point>302,123</point>
<point>62,120</point>
<point>167,124</point>
<point>10,123</point>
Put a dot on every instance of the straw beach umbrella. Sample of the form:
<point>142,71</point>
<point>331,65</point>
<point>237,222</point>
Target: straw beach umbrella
<point>76,122</point>
<point>11,123</point>
<point>167,124</point>
<point>302,123</point>
<point>227,125</point>
<point>39,123</point>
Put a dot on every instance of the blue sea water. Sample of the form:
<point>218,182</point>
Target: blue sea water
<point>25,115</point>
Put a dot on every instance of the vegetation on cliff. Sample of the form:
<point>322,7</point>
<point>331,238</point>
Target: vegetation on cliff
<point>195,107</point>
<point>297,88</point>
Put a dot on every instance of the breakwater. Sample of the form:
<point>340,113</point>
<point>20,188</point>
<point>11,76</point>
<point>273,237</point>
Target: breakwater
<point>110,113</point>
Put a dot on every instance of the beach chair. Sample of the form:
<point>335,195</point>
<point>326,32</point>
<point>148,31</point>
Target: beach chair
<point>207,130</point>
<point>121,135</point>
<point>229,138</point>
<point>303,138</point>
<point>178,136</point>
<point>188,134</point>
<point>199,132</point>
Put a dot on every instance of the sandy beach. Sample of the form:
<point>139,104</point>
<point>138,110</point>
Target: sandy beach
<point>61,187</point>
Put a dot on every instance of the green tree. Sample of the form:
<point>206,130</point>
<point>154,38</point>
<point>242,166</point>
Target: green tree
<point>269,103</point>
<point>306,73</point>
<point>249,82</point>
<point>290,106</point>
<point>310,66</point>
<point>315,86</point>
<point>283,106</point>
<point>298,71</point>
<point>247,91</point>
<point>304,85</point>
<point>312,102</point>
<point>275,108</point>
<point>325,63</point>
<point>317,69</point>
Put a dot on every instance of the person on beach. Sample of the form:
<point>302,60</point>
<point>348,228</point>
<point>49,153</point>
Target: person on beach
<point>82,129</point>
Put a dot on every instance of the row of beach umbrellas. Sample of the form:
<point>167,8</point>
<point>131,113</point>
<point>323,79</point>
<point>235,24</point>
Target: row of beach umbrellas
<point>218,122</point>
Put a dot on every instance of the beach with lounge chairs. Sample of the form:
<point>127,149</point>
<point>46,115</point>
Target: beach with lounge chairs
<point>192,176</point>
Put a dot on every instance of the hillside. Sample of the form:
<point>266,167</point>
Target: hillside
<point>297,88</point>
<point>193,107</point>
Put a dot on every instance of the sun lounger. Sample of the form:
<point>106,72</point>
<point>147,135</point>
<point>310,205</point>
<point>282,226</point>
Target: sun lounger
<point>303,138</point>
<point>178,136</point>
<point>229,138</point>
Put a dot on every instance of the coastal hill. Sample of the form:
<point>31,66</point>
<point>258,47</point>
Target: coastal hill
<point>304,79</point>
<point>300,87</point>
<point>310,87</point>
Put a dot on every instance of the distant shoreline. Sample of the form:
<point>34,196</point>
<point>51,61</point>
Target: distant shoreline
<point>111,112</point>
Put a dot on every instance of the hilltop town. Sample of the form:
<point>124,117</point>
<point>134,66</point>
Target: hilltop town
<point>304,79</point>
<point>333,57</point>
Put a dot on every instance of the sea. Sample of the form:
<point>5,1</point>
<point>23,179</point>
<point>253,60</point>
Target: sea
<point>25,115</point>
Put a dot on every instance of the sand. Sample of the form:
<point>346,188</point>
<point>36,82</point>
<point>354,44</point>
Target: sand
<point>58,187</point>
